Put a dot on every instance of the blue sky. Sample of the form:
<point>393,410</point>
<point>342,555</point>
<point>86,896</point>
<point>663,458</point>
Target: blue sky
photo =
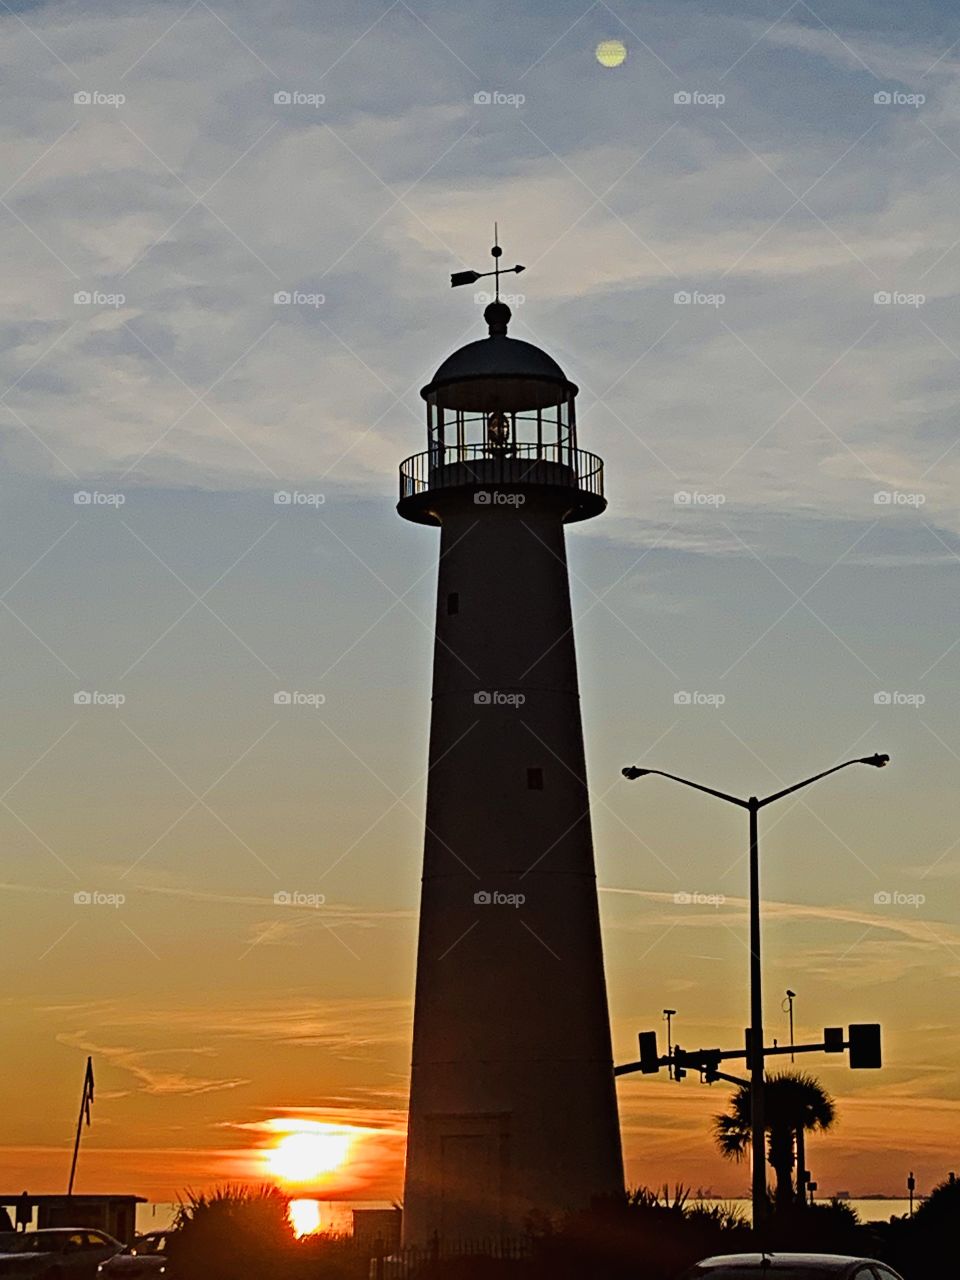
<point>783,585</point>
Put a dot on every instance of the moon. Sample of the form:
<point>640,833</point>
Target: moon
<point>611,53</point>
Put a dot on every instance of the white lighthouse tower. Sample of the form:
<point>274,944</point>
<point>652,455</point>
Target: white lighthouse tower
<point>512,1101</point>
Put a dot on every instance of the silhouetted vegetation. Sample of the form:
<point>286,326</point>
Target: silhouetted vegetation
<point>644,1234</point>
<point>795,1104</point>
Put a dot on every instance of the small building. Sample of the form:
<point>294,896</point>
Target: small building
<point>117,1215</point>
<point>377,1231</point>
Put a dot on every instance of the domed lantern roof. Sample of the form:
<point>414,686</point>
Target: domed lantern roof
<point>499,372</point>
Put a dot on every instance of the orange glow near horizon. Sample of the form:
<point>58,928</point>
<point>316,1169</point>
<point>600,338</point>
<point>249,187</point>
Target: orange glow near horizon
<point>307,1151</point>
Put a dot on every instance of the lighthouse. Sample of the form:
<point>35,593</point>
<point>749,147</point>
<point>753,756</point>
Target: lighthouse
<point>512,1101</point>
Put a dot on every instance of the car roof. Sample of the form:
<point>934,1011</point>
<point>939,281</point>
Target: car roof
<point>820,1261</point>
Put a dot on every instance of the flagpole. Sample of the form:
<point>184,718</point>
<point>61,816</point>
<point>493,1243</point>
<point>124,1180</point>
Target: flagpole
<point>85,1101</point>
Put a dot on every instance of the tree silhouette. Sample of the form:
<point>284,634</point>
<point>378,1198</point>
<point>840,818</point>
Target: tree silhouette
<point>795,1103</point>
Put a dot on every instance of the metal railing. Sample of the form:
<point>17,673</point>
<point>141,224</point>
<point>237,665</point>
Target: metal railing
<point>528,463</point>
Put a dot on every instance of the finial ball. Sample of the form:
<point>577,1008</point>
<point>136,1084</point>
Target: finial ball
<point>496,251</point>
<point>497,316</point>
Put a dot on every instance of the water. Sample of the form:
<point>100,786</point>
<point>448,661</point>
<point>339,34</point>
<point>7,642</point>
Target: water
<point>336,1216</point>
<point>866,1210</point>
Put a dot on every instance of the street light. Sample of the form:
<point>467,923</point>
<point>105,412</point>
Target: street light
<point>670,1014</point>
<point>753,806</point>
<point>787,1007</point>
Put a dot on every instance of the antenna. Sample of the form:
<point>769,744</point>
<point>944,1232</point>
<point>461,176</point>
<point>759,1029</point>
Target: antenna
<point>471,277</point>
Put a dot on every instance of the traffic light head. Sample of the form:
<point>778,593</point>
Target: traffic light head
<point>649,1054</point>
<point>864,1044</point>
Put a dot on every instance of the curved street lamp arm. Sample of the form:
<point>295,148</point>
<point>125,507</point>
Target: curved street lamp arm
<point>877,761</point>
<point>721,795</point>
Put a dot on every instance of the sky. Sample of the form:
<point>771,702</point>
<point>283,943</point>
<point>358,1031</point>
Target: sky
<point>742,245</point>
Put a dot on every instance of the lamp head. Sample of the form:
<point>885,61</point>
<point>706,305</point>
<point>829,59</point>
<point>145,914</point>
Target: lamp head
<point>791,994</point>
<point>878,761</point>
<point>631,772</point>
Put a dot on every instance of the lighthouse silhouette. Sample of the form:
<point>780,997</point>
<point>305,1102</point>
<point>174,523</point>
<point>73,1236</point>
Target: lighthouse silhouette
<point>512,1101</point>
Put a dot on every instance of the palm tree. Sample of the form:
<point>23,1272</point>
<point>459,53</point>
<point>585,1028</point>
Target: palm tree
<point>795,1104</point>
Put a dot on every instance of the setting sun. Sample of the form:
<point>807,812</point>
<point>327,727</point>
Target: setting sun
<point>309,1152</point>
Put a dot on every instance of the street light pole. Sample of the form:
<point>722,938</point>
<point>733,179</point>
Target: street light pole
<point>753,807</point>
<point>757,1119</point>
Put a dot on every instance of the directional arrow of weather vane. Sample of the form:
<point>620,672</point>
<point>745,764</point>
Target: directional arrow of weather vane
<point>471,277</point>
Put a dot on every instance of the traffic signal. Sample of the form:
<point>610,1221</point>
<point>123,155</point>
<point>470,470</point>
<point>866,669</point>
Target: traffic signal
<point>678,1056</point>
<point>833,1039</point>
<point>649,1054</point>
<point>864,1043</point>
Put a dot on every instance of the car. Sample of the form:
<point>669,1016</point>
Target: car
<point>57,1253</point>
<point>147,1256</point>
<point>789,1266</point>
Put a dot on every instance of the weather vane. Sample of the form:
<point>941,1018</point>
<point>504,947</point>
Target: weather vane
<point>471,277</point>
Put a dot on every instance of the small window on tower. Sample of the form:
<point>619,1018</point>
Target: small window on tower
<point>453,602</point>
<point>534,779</point>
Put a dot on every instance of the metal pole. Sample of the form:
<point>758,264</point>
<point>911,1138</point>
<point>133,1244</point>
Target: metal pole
<point>791,1026</point>
<point>76,1143</point>
<point>757,1132</point>
<point>668,1014</point>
